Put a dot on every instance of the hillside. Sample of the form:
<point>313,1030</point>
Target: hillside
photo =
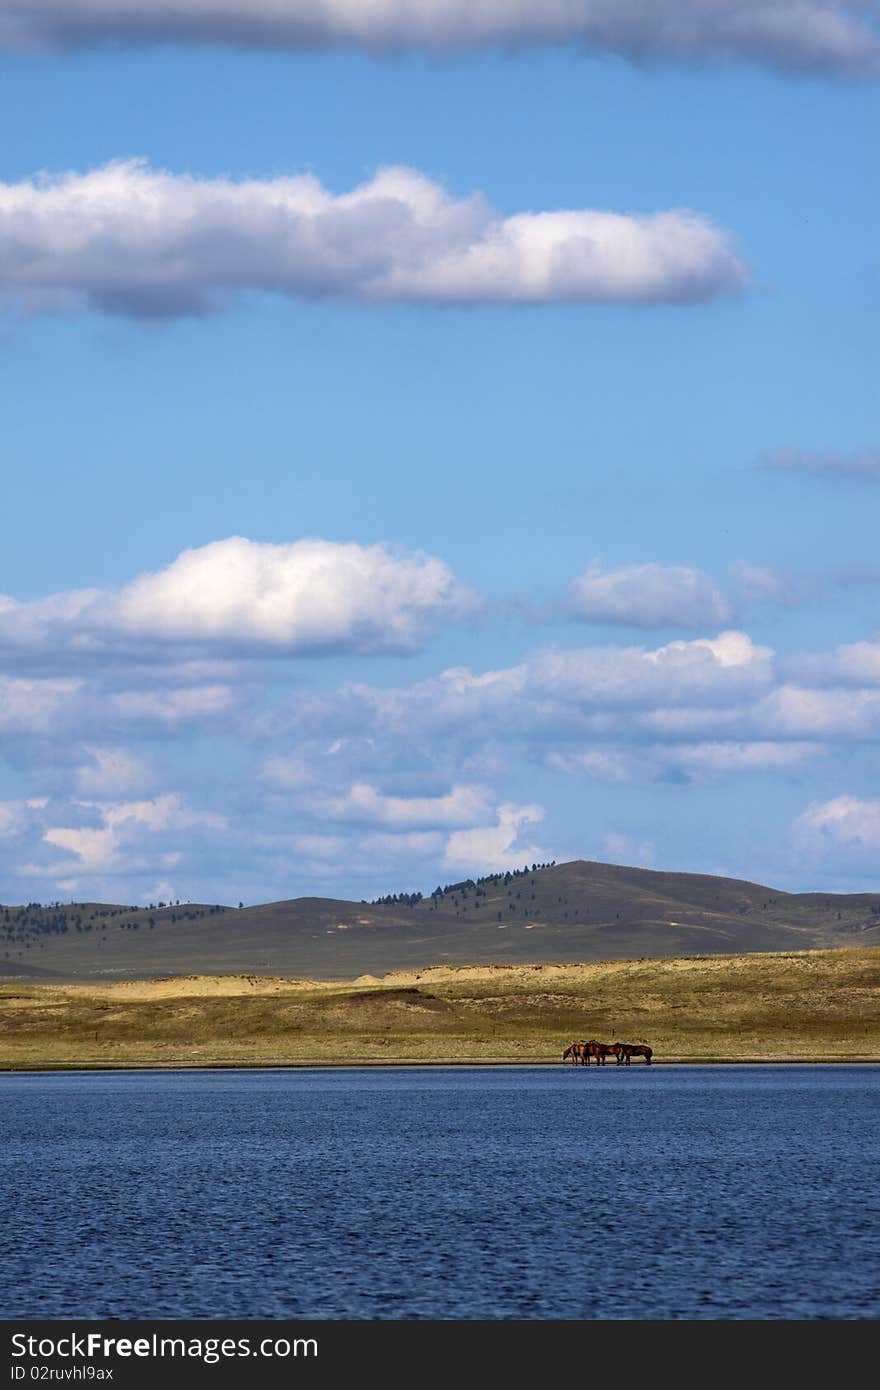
<point>579,911</point>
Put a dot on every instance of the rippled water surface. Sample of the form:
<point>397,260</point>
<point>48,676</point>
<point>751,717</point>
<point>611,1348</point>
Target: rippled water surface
<point>644,1192</point>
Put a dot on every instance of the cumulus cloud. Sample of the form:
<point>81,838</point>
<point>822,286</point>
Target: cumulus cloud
<point>758,584</point>
<point>340,788</point>
<point>761,584</point>
<point>369,854</point>
<point>860,464</point>
<point>601,764</point>
<point>86,721</point>
<point>34,706</point>
<point>410,844</point>
<point>307,596</point>
<point>167,709</point>
<point>492,847</point>
<point>577,689</point>
<point>712,669</point>
<point>112,772</point>
<point>363,804</point>
<point>844,823</point>
<point>129,239</point>
<point>703,709</point>
<point>321,847</point>
<point>17,817</point>
<point>681,761</point>
<point>852,664</point>
<point>834,36</point>
<point>114,843</point>
<point>711,759</point>
<point>648,596</point>
<point>794,711</point>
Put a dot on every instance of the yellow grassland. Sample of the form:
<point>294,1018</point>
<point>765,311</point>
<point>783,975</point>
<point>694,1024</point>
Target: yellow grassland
<point>799,1006</point>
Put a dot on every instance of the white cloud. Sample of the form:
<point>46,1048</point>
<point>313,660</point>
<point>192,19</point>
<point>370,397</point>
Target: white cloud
<point>308,595</point>
<point>847,823</point>
<point>112,772</point>
<point>709,708</point>
<point>837,36</point>
<point>648,596</point>
<point>34,706</point>
<point>168,708</point>
<point>417,844</point>
<point>701,761</point>
<point>94,710</point>
<point>323,847</point>
<point>289,772</point>
<point>860,464</point>
<point>491,847</point>
<point>367,853</point>
<point>129,239</point>
<point>787,712</point>
<point>705,669</point>
<point>853,664</point>
<point>95,846</point>
<point>793,712</point>
<point>367,789</point>
<point>363,804</point>
<point>585,694</point>
<point>605,765</point>
<point>760,756</point>
<point>18,817</point>
<point>114,844</point>
<point>762,584</point>
<point>162,891</point>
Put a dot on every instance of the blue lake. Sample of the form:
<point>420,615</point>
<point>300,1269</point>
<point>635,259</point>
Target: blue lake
<point>729,1192</point>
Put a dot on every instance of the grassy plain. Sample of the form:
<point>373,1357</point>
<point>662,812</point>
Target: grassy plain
<point>798,1006</point>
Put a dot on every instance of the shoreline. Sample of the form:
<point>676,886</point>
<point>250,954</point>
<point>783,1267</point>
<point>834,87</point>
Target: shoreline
<point>45,1068</point>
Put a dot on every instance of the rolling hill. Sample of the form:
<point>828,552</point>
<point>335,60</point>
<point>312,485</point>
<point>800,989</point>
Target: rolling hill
<point>578,911</point>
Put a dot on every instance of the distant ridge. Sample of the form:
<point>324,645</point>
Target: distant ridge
<point>579,911</point>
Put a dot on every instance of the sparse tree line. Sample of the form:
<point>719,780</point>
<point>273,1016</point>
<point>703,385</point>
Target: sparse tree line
<point>393,899</point>
<point>23,927</point>
<point>479,887</point>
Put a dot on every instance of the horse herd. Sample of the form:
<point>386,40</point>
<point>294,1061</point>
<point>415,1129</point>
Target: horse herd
<point>581,1052</point>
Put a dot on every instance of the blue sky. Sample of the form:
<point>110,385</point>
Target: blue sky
<point>365,529</point>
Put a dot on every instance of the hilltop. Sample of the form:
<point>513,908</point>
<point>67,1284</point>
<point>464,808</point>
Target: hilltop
<point>579,911</point>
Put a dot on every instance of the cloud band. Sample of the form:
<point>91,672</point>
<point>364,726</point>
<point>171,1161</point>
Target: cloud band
<point>837,36</point>
<point>129,239</point>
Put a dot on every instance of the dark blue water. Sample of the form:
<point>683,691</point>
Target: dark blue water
<point>646,1192</point>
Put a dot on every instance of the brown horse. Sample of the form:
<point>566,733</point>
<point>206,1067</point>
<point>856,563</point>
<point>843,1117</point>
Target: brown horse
<point>577,1051</point>
<point>601,1050</point>
<point>630,1050</point>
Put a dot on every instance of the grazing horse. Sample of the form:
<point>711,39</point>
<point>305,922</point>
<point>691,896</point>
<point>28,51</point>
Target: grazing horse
<point>601,1050</point>
<point>630,1050</point>
<point>577,1051</point>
